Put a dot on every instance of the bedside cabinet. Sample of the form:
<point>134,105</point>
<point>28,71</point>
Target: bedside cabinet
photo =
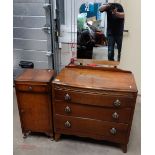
<point>33,91</point>
<point>94,103</point>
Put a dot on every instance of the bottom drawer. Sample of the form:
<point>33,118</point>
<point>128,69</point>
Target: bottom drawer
<point>115,132</point>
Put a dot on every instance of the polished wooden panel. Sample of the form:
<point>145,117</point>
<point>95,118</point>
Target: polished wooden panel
<point>91,127</point>
<point>35,75</point>
<point>94,99</point>
<point>35,114</point>
<point>97,79</point>
<point>93,112</point>
<point>33,92</point>
<point>83,103</point>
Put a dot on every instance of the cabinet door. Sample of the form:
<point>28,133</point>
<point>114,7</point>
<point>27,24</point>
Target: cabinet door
<point>35,111</point>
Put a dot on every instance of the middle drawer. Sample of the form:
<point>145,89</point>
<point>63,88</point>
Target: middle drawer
<point>93,112</point>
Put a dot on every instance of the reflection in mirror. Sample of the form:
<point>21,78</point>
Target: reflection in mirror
<point>100,31</point>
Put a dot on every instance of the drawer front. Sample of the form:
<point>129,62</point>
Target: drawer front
<point>32,88</point>
<point>94,99</point>
<point>115,132</point>
<point>93,112</point>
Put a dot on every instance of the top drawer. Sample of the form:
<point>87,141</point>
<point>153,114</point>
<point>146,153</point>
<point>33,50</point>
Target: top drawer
<point>32,88</point>
<point>94,98</point>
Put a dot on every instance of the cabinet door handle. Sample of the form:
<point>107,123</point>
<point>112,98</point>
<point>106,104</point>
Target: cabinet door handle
<point>67,97</point>
<point>117,103</point>
<point>67,124</point>
<point>113,131</point>
<point>67,109</point>
<point>115,115</point>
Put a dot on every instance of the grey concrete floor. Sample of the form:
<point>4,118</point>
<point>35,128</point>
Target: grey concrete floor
<point>68,145</point>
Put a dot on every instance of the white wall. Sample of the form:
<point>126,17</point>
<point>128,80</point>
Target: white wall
<point>131,50</point>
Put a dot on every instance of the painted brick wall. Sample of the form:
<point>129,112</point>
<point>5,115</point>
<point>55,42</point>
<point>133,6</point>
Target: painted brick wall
<point>30,42</point>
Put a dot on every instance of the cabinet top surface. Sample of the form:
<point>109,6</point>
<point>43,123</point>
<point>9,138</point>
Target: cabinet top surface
<point>36,75</point>
<point>97,79</point>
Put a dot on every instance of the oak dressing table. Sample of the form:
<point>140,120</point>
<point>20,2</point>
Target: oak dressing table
<point>94,102</point>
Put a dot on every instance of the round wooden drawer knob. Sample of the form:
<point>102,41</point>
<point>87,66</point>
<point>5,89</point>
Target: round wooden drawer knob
<point>30,88</point>
<point>22,111</point>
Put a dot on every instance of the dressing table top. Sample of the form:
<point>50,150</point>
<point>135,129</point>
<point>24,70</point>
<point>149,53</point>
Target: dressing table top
<point>115,80</point>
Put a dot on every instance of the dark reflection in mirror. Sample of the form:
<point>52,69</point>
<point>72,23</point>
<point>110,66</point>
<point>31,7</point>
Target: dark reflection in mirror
<point>100,31</point>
